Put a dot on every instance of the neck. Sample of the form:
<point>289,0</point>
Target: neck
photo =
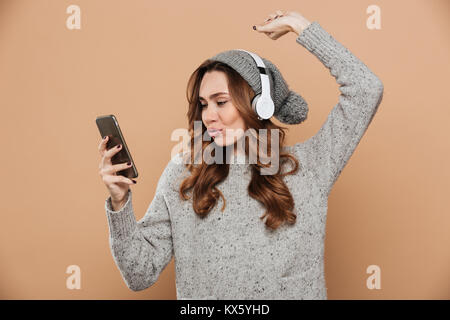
<point>237,155</point>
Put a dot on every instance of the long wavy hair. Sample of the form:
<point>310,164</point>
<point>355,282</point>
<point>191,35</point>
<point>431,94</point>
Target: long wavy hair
<point>270,190</point>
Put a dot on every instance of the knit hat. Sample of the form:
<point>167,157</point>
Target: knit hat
<point>290,107</point>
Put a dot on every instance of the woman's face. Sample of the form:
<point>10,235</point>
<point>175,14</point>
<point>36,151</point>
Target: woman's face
<point>218,111</point>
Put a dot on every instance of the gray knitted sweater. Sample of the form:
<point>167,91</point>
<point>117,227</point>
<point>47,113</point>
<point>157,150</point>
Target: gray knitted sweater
<point>231,254</point>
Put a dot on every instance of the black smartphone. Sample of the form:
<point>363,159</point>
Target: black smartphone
<point>109,126</point>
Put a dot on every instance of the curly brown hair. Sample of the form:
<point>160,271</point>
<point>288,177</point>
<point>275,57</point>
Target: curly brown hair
<point>270,190</point>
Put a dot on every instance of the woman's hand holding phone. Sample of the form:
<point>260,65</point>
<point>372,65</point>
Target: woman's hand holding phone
<point>117,185</point>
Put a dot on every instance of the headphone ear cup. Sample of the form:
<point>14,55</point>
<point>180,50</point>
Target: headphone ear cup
<point>264,108</point>
<point>255,102</point>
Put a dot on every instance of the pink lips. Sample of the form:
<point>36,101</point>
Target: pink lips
<point>214,132</point>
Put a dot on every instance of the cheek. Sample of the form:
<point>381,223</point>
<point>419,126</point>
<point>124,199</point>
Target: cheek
<point>232,118</point>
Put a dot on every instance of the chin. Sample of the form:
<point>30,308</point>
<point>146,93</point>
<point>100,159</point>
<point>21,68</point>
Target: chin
<point>222,142</point>
<point>219,141</point>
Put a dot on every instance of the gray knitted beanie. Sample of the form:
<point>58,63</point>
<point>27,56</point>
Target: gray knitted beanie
<point>290,107</point>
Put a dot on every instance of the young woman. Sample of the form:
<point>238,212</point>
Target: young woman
<point>209,217</point>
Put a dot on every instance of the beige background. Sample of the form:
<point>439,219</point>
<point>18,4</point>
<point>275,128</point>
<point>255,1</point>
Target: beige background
<point>133,58</point>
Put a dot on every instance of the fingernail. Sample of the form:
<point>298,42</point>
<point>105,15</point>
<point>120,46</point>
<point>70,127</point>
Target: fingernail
<point>104,137</point>
<point>134,181</point>
<point>128,163</point>
<point>118,147</point>
<point>254,27</point>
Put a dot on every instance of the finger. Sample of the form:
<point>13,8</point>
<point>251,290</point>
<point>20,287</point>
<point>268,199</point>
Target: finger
<point>270,17</point>
<point>276,35</point>
<point>102,145</point>
<point>111,152</point>
<point>106,160</point>
<point>269,34</point>
<point>121,179</point>
<point>265,28</point>
<point>121,166</point>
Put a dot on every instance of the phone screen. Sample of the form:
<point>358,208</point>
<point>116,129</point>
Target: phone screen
<point>109,126</point>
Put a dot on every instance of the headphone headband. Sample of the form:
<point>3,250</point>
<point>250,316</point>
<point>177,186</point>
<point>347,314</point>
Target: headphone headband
<point>263,104</point>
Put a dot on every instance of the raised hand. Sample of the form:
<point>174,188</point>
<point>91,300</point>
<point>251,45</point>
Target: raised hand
<point>279,23</point>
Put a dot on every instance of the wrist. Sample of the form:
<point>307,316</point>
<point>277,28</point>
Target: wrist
<point>298,25</point>
<point>118,204</point>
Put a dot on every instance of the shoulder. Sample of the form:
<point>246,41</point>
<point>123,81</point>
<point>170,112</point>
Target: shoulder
<point>295,149</point>
<point>299,151</point>
<point>179,158</point>
<point>174,172</point>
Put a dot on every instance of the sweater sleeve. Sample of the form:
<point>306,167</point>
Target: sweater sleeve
<point>328,151</point>
<point>142,249</point>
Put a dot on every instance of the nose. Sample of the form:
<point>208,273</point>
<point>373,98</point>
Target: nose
<point>210,114</point>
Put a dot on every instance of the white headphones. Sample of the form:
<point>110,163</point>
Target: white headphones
<point>262,103</point>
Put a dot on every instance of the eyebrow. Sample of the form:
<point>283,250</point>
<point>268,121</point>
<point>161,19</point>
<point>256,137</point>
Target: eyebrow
<point>214,95</point>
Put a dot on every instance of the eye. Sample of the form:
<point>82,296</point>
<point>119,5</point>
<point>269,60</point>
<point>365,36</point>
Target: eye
<point>220,103</point>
